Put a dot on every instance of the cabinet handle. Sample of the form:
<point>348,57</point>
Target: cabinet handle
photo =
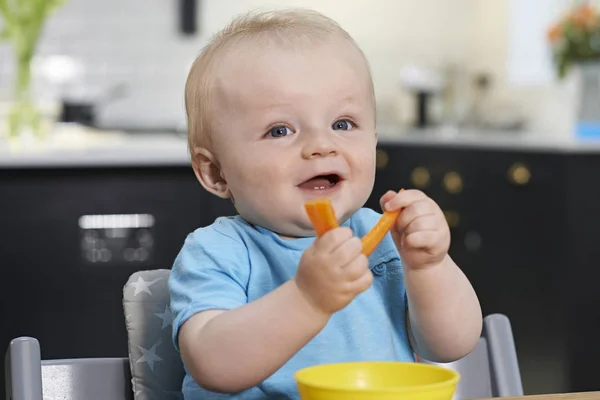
<point>452,217</point>
<point>420,177</point>
<point>453,182</point>
<point>381,159</point>
<point>519,174</point>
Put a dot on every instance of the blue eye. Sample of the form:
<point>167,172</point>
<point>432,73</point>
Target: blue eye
<point>279,131</point>
<point>342,125</point>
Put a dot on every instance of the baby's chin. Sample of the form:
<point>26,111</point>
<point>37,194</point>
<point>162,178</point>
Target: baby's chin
<point>291,224</point>
<point>286,230</point>
<point>292,231</point>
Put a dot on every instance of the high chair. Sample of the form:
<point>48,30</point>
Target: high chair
<point>154,369</point>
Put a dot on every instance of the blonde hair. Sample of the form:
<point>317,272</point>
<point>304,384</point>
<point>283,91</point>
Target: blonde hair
<point>288,27</point>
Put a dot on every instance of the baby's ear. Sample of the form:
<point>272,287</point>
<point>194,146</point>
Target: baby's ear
<point>208,173</point>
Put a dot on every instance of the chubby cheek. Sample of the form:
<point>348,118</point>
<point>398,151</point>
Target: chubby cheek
<point>256,178</point>
<point>364,167</point>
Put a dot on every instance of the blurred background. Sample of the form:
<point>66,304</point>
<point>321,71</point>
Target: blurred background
<point>492,107</point>
<point>487,61</point>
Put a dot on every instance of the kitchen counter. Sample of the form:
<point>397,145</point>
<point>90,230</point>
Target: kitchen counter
<point>76,147</point>
<point>508,140</point>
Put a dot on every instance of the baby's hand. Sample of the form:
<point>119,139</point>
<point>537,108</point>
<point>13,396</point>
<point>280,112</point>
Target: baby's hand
<point>421,232</point>
<point>333,271</point>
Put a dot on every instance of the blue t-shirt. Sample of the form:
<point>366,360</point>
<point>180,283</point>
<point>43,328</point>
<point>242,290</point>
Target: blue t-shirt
<point>231,263</point>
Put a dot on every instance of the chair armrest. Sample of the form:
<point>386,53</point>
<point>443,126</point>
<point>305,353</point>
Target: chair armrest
<point>23,366</point>
<point>503,356</point>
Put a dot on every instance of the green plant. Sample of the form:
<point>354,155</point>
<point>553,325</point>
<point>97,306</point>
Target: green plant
<point>23,21</point>
<point>575,37</point>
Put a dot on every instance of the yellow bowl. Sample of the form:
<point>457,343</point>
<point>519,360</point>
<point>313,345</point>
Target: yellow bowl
<point>376,381</point>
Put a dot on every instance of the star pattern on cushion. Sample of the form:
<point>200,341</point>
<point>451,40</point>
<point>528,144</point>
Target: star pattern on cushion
<point>149,356</point>
<point>143,286</point>
<point>166,317</point>
<point>148,318</point>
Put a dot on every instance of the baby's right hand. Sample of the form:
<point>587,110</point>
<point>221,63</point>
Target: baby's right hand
<point>333,271</point>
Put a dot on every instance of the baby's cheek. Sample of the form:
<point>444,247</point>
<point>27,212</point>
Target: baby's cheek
<point>367,167</point>
<point>263,185</point>
<point>253,168</point>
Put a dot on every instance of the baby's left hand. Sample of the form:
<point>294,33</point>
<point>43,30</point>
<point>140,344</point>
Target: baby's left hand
<point>421,232</point>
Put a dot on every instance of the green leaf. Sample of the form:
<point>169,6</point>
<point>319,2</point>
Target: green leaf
<point>55,4</point>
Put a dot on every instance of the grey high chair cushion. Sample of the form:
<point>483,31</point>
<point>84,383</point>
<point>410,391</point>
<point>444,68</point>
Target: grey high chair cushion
<point>156,367</point>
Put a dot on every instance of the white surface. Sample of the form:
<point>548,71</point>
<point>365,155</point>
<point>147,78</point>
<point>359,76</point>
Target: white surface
<point>114,149</point>
<point>530,141</point>
<point>530,56</point>
<point>78,148</point>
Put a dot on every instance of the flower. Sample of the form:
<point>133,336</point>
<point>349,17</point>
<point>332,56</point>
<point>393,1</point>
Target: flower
<point>575,37</point>
<point>23,22</point>
<point>555,33</point>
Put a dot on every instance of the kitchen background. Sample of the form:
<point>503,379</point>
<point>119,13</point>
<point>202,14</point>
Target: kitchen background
<point>88,48</point>
<point>470,110</point>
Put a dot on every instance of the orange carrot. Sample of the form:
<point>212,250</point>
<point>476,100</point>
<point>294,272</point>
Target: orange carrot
<point>372,239</point>
<point>321,215</point>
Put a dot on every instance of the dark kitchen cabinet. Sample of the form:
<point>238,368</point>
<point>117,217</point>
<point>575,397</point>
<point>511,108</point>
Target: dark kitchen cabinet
<point>507,215</point>
<point>582,241</point>
<point>51,288</point>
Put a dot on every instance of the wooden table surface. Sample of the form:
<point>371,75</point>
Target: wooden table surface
<point>565,396</point>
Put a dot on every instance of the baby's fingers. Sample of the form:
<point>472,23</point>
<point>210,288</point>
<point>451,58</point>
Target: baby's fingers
<point>333,239</point>
<point>363,282</point>
<point>416,211</point>
<point>346,252</point>
<point>385,198</point>
<point>421,240</point>
<point>356,268</point>
<point>403,199</point>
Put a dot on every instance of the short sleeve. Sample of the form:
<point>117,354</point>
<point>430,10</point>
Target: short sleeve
<point>210,272</point>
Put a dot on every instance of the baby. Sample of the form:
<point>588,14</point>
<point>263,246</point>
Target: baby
<point>281,110</point>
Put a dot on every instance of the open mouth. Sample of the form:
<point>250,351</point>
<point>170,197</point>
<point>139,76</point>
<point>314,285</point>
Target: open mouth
<point>321,182</point>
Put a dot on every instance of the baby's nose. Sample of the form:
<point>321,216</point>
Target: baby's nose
<point>318,146</point>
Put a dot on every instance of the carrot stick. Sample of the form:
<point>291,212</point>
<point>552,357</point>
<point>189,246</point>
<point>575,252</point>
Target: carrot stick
<point>321,215</point>
<point>372,239</point>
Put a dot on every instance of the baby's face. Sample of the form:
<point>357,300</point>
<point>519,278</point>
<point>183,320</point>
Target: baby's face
<point>291,126</point>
